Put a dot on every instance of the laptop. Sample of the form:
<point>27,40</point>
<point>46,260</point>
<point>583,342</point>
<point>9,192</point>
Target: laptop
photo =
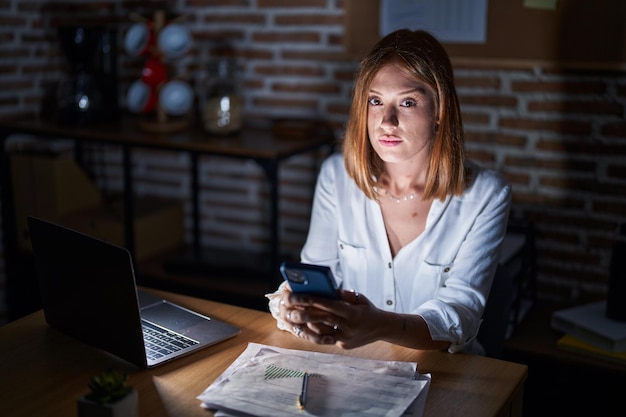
<point>89,291</point>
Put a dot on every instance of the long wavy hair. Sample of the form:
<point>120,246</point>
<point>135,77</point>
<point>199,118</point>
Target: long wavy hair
<point>422,56</point>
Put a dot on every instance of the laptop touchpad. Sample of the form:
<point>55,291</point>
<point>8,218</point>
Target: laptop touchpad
<point>171,316</point>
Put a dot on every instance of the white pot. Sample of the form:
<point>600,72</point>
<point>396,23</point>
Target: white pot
<point>126,407</point>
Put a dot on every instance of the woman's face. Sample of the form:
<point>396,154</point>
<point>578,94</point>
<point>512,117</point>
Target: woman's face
<point>400,115</point>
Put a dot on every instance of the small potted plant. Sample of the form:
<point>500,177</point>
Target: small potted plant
<point>109,397</point>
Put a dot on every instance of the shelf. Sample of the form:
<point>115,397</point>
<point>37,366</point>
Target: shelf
<point>223,276</point>
<point>227,276</point>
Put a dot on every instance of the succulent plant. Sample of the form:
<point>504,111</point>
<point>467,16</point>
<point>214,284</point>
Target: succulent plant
<point>108,387</point>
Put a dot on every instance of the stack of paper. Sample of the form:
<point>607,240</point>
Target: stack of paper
<point>574,344</point>
<point>590,323</point>
<point>267,381</point>
<point>589,331</point>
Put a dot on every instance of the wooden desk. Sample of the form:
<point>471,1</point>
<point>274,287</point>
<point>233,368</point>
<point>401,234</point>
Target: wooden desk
<point>43,372</point>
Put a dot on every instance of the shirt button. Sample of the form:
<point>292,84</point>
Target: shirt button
<point>389,265</point>
<point>446,270</point>
<point>341,246</point>
<point>389,302</point>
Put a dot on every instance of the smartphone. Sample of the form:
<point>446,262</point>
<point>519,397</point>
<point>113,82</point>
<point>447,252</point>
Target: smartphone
<point>304,278</point>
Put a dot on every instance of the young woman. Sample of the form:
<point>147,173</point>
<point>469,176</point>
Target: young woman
<point>409,226</point>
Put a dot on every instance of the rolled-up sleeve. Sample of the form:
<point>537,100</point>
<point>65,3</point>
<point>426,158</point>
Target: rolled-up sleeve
<point>454,314</point>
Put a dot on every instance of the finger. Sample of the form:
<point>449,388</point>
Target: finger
<point>320,334</point>
<point>311,315</point>
<point>284,310</point>
<point>353,297</point>
<point>323,328</point>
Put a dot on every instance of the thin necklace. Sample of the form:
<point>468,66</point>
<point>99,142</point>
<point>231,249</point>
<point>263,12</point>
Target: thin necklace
<point>398,199</point>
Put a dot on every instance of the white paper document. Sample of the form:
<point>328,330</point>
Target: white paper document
<point>267,381</point>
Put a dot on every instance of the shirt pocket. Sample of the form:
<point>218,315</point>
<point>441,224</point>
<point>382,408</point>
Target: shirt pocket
<point>353,263</point>
<point>434,276</point>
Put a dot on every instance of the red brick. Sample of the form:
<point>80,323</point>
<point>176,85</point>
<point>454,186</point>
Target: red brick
<point>312,37</point>
<point>320,55</point>
<point>342,109</point>
<point>490,64</point>
<point>609,207</point>
<point>257,54</point>
<point>580,147</point>
<point>600,242</point>
<point>243,18</point>
<point>341,75</point>
<point>490,83</point>
<point>475,118</point>
<point>582,107</point>
<point>517,178</point>
<point>563,87</point>
<point>564,165</point>
<point>616,171</point>
<point>291,3</point>
<point>286,103</point>
<point>570,219</point>
<point>570,256</point>
<point>308,19</point>
<point>219,36</point>
<point>583,185</point>
<point>561,237</point>
<point>304,71</point>
<point>496,137</point>
<point>217,3</point>
<point>325,88</point>
<point>617,129</point>
<point>491,100</point>
<point>542,200</point>
<point>484,157</point>
<point>561,126</point>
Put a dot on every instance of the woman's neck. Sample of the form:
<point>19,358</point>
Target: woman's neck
<point>400,181</point>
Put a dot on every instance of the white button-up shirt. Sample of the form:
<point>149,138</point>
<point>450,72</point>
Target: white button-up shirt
<point>444,275</point>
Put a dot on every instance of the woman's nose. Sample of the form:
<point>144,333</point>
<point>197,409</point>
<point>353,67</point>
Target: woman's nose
<point>390,117</point>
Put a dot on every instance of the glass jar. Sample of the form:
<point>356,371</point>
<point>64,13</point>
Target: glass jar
<point>222,103</point>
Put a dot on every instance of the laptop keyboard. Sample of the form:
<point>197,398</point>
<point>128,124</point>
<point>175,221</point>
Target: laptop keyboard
<point>160,342</point>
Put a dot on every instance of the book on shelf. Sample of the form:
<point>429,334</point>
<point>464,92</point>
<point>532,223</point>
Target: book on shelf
<point>589,323</point>
<point>576,345</point>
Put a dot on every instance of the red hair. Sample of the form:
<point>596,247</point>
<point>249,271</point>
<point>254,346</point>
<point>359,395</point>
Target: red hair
<point>422,56</point>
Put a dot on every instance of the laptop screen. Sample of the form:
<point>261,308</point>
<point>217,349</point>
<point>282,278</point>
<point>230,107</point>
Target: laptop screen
<point>88,289</point>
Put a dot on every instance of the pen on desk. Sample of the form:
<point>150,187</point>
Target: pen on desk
<point>302,397</point>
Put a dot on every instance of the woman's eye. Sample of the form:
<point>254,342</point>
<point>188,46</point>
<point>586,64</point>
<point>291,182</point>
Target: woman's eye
<point>408,103</point>
<point>374,101</point>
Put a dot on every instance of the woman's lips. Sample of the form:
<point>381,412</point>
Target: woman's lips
<point>389,140</point>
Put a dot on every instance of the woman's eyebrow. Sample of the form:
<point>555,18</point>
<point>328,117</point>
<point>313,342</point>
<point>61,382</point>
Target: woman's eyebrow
<point>419,89</point>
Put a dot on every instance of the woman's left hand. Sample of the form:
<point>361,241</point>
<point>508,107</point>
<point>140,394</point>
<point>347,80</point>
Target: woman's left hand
<point>348,323</point>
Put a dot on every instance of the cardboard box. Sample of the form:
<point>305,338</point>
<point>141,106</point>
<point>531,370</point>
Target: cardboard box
<point>159,224</point>
<point>48,186</point>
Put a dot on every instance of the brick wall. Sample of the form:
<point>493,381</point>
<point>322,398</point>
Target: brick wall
<point>558,136</point>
